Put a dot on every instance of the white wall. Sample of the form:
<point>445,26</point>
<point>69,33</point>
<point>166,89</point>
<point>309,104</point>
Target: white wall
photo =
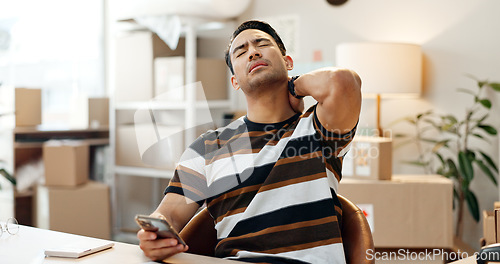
<point>457,36</point>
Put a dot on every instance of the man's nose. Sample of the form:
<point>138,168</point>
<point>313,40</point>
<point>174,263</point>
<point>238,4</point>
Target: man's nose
<point>254,53</point>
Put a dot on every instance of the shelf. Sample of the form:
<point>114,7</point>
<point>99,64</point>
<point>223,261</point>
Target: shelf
<point>144,172</point>
<point>91,142</point>
<point>168,105</point>
<point>185,113</point>
<point>48,129</point>
<point>34,137</point>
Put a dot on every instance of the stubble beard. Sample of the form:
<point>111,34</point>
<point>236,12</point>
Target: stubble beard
<point>265,81</point>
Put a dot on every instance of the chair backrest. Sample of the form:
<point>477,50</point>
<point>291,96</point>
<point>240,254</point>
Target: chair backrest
<point>201,236</point>
<point>356,234</point>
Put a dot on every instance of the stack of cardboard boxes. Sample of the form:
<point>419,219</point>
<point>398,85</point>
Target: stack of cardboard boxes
<point>408,211</point>
<point>69,201</point>
<point>403,211</point>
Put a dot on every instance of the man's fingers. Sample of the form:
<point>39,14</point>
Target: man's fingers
<point>146,235</point>
<point>162,249</point>
<point>158,243</point>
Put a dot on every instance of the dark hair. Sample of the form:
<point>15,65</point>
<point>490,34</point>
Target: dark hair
<point>254,24</point>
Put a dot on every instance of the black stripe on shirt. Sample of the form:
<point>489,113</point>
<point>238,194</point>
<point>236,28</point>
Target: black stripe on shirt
<point>292,214</point>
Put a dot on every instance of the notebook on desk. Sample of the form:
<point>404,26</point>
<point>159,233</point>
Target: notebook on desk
<point>78,250</point>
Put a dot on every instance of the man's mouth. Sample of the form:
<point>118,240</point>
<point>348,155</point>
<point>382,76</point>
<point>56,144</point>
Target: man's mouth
<point>257,66</point>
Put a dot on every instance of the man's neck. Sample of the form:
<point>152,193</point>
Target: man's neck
<point>269,107</point>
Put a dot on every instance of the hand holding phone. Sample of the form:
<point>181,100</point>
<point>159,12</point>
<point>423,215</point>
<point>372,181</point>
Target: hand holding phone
<point>161,227</point>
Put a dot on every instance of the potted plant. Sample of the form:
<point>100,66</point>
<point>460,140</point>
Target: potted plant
<point>443,143</point>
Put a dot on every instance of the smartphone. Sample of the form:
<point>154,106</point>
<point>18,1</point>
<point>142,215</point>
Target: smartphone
<point>161,227</point>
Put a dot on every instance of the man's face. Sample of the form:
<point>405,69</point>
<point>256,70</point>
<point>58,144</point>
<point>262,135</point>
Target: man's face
<point>257,60</point>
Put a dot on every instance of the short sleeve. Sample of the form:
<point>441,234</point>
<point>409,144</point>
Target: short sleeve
<point>338,144</point>
<point>335,146</point>
<point>189,177</point>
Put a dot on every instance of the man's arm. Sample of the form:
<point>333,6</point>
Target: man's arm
<point>338,92</point>
<point>177,210</point>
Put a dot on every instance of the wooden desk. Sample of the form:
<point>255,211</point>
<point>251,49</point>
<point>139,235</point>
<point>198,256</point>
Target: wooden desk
<point>28,245</point>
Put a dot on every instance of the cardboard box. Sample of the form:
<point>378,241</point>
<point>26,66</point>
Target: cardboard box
<point>170,78</point>
<point>146,150</point>
<point>489,227</point>
<point>161,49</point>
<point>369,158</point>
<point>66,162</point>
<point>497,225</point>
<point>408,211</point>
<point>98,112</point>
<point>212,73</point>
<point>134,67</point>
<point>28,107</point>
<point>82,210</point>
<point>135,53</point>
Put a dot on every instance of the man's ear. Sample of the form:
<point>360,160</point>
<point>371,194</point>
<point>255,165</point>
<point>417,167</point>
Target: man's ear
<point>288,62</point>
<point>234,83</point>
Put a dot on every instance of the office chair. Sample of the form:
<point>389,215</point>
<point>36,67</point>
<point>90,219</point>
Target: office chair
<point>201,236</point>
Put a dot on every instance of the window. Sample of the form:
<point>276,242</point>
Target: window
<point>55,45</point>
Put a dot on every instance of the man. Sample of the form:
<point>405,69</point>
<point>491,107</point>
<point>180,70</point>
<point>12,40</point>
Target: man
<point>269,179</point>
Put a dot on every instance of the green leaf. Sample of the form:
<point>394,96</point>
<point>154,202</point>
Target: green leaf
<point>428,140</point>
<point>472,204</point>
<point>471,155</point>
<point>486,103</point>
<point>431,122</point>
<point>465,166</point>
<point>488,129</point>
<point>479,136</point>
<point>489,160</point>
<point>487,171</point>
<point>439,145</point>
<point>495,86</point>
<point>483,118</point>
<point>415,162</point>
<point>451,118</point>
<point>440,157</point>
<point>452,167</point>
<point>403,143</point>
<point>429,112</point>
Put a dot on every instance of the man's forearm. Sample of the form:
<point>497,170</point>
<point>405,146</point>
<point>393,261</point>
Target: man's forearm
<point>338,92</point>
<point>324,82</point>
<point>176,210</point>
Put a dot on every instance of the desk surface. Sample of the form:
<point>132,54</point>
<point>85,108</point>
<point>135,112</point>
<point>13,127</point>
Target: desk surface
<point>28,246</point>
<point>469,260</point>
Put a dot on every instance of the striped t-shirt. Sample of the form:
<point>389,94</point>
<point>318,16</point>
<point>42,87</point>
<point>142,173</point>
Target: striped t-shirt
<point>270,188</point>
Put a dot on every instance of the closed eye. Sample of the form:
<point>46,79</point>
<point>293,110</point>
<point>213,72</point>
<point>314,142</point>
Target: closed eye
<point>241,53</point>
